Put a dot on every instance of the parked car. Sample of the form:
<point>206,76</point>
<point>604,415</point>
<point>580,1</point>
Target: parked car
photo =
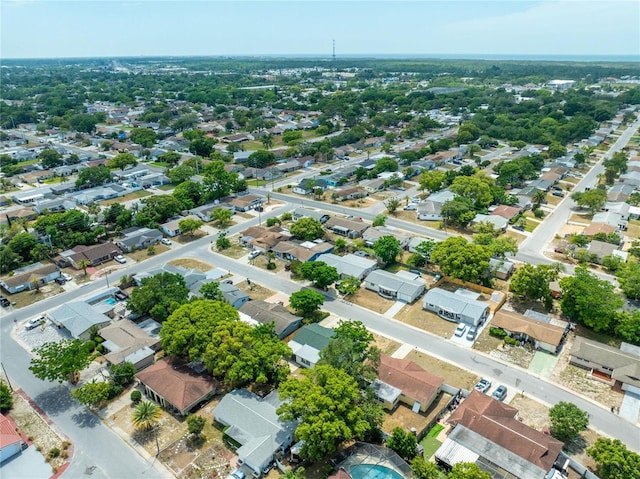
<point>66,276</point>
<point>460,330</point>
<point>411,207</point>
<point>120,259</point>
<point>254,254</point>
<point>4,302</point>
<point>362,254</point>
<point>35,322</point>
<point>165,241</point>
<point>483,385</point>
<point>500,393</point>
<point>237,474</point>
<point>60,280</point>
<point>559,194</point>
<point>471,334</point>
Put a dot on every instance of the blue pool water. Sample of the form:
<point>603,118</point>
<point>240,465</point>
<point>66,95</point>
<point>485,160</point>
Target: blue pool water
<point>373,471</point>
<point>110,301</point>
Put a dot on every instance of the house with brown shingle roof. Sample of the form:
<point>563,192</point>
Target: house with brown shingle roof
<point>176,386</point>
<point>95,254</point>
<point>595,228</point>
<point>27,277</point>
<point>621,366</point>
<point>505,211</point>
<point>543,335</point>
<point>486,431</point>
<point>402,380</point>
<point>125,341</point>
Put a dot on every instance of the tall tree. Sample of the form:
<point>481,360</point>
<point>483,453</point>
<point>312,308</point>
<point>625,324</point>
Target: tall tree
<point>567,421</point>
<point>306,302</point>
<point>320,273</point>
<point>190,225</point>
<point>533,282</point>
<point>460,259</point>
<point>614,460</point>
<point>122,160</point>
<point>59,361</point>
<point>403,443</point>
<point>307,229</point>
<point>387,249</point>
<point>159,295</point>
<point>222,216</point>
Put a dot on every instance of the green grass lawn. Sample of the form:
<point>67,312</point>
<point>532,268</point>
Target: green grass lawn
<point>431,445</point>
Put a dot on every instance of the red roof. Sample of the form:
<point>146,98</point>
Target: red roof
<point>505,211</point>
<point>8,434</point>
<point>411,379</point>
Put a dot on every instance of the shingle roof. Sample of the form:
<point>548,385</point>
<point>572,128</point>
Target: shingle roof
<point>411,379</point>
<point>455,303</point>
<point>512,321</point>
<point>78,317</point>
<point>267,313</point>
<point>8,435</point>
<point>625,366</point>
<point>128,338</point>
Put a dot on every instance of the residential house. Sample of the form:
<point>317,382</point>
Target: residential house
<point>631,178</point>
<point>541,184</point>
<point>192,277</point>
<point>350,265</point>
<point>349,228</point>
<point>374,142</point>
<point>237,138</point>
<point>287,166</point>
<point>542,335</point>
<point>611,218</point>
<point>301,250</point>
<point>138,237</point>
<point>282,319</point>
<point>401,286</point>
<point>373,186</point>
<point>456,307</point>
<point>305,161</point>
<point>56,204</point>
<point>620,192</point>
<point>499,223</point>
<point>244,203</point>
<point>618,207</point>
<point>601,249</point>
<point>308,342</point>
<point>172,227</point>
<point>132,173</point>
<point>551,176</point>
<point>253,422</point>
<point>423,165</point>
<point>124,341</point>
<point>78,318</point>
<point>402,380</point>
<point>501,268</point>
<point>95,255</point>
<point>373,234</point>
<point>487,432</point>
<point>309,185</point>
<point>204,212</point>
<point>349,193</point>
<point>507,212</point>
<point>261,238</point>
<point>32,196</point>
<point>63,187</point>
<point>30,277</point>
<point>606,363</point>
<point>430,209</point>
<point>11,442</point>
<point>596,228</point>
<point>176,385</point>
<point>233,295</point>
<point>300,212</point>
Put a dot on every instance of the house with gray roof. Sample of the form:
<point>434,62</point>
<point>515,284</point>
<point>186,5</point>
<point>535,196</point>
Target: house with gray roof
<point>78,318</point>
<point>455,307</point>
<point>137,238</point>
<point>282,319</point>
<point>233,295</point>
<point>191,276</point>
<point>631,178</point>
<point>349,264</point>
<point>28,277</point>
<point>374,233</point>
<point>430,209</point>
<point>300,212</point>
<point>55,204</point>
<point>308,342</point>
<point>349,228</point>
<point>32,196</point>
<point>401,286</point>
<point>125,341</point>
<point>499,223</point>
<point>253,422</point>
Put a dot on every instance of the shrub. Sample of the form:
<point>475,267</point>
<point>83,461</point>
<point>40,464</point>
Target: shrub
<point>114,390</point>
<point>286,216</point>
<point>497,332</point>
<point>136,396</point>
<point>6,398</point>
<point>272,221</point>
<point>55,452</point>
<point>538,213</point>
<point>271,265</point>
<point>511,341</point>
<point>90,345</point>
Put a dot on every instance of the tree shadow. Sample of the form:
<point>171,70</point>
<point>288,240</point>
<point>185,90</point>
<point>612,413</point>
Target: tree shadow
<point>143,436</point>
<point>85,419</point>
<point>576,446</point>
<point>55,400</point>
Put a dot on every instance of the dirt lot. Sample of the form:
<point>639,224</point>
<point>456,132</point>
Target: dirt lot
<point>386,345</point>
<point>25,298</point>
<point>404,417</point>
<point>235,251</point>
<point>451,374</point>
<point>513,354</point>
<point>533,413</point>
<point>370,300</point>
<point>38,431</point>
<point>518,237</point>
<point>485,342</point>
<point>191,263</point>
<point>414,315</point>
<point>255,290</point>
<point>188,238</point>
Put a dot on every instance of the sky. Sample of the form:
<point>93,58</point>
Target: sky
<point>94,28</point>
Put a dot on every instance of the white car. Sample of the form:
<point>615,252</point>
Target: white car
<point>35,322</point>
<point>165,241</point>
<point>254,254</point>
<point>460,329</point>
<point>66,276</point>
<point>120,259</point>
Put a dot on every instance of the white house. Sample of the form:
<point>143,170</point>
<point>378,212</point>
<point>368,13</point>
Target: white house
<point>455,307</point>
<point>402,286</point>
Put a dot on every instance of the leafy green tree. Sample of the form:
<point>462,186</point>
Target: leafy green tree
<point>190,225</point>
<point>306,302</point>
<point>118,216</point>
<point>211,291</point>
<point>6,398</point>
<point>387,249</point>
<point>222,242</point>
<point>267,141</point>
<point>159,295</point>
<point>121,161</point>
<point>467,470</point>
<point>392,205</point>
<point>261,159</point>
<point>327,403</point>
<point>423,469</point>
<point>612,263</point>
<point>593,200</point>
<point>50,158</point>
<point>320,273</point>
<point>629,279</point>
<point>460,259</point>
<point>202,146</point>
<point>424,248</point>
<point>59,361</point>
<point>432,180</point>
<point>298,473</point>
<point>170,157</point>
<point>122,374</point>
<point>628,326</point>
<point>146,415</point>
<point>458,211</point>
<point>195,424</point>
<point>22,244</point>
<point>307,229</point>
<point>93,176</point>
<point>533,282</point>
<point>556,150</point>
<point>379,220</point>
<point>189,193</point>
<point>352,349</point>
<point>403,443</point>
<point>144,137</point>
<point>157,209</point>
<point>92,394</point>
<point>477,189</point>
<point>181,173</point>
<point>222,216</point>
<point>348,286</point>
<point>588,300</point>
<point>617,162</point>
<point>614,460</point>
<point>567,421</point>
<point>217,181</point>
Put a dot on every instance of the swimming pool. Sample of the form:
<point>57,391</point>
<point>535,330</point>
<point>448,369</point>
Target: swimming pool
<point>110,301</point>
<point>373,471</point>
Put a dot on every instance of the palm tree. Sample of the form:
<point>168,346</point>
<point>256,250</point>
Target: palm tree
<point>84,264</point>
<point>146,416</point>
<point>294,474</point>
<point>267,141</point>
<point>538,197</point>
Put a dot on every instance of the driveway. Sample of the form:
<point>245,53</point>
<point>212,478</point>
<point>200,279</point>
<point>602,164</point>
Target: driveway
<point>631,404</point>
